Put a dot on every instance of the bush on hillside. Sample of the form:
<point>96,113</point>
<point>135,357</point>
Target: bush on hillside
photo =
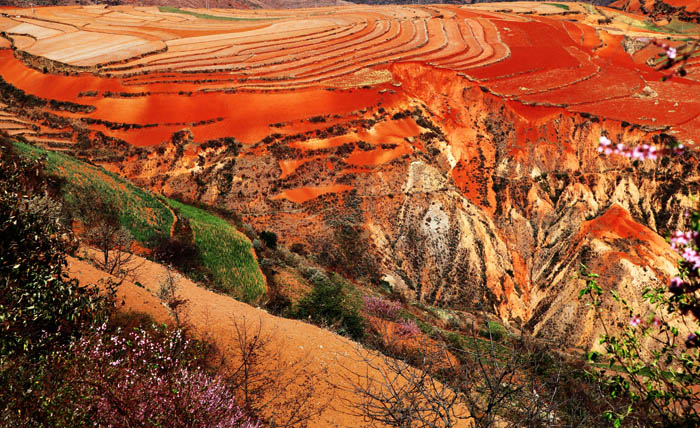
<point>269,238</point>
<point>38,304</point>
<point>382,308</point>
<point>330,304</point>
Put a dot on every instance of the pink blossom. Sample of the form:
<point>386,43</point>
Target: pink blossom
<point>407,329</point>
<point>680,240</point>
<point>671,53</point>
<point>635,321</point>
<point>642,152</point>
<point>382,308</point>
<point>676,284</point>
<point>691,256</point>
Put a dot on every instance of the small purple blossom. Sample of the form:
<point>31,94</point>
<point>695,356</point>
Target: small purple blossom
<point>642,152</point>
<point>382,308</point>
<point>635,321</point>
<point>680,240</point>
<point>137,379</point>
<point>656,322</point>
<point>691,256</point>
<point>676,284</point>
<point>407,329</point>
<point>671,52</point>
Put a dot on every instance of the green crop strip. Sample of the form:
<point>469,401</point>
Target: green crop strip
<point>226,252</point>
<point>170,9</point>
<point>559,5</point>
<point>141,212</point>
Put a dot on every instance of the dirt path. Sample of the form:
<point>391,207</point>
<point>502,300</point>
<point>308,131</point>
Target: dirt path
<point>172,226</point>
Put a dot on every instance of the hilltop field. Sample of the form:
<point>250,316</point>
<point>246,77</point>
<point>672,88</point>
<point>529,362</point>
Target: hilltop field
<point>441,156</point>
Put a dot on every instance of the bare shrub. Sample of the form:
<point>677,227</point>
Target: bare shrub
<point>281,391</point>
<point>474,381</point>
<point>168,293</point>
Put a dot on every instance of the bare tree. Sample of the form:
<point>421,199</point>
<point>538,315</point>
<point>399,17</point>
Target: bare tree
<point>168,293</point>
<point>114,243</point>
<point>489,381</point>
<point>387,391</point>
<point>283,392</point>
<point>100,217</point>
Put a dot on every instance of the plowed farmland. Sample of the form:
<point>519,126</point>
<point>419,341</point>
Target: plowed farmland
<point>153,71</point>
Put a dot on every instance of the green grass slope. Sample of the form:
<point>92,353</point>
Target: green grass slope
<point>226,252</point>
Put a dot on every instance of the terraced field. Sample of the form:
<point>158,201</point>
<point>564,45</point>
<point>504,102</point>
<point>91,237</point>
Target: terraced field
<point>151,72</point>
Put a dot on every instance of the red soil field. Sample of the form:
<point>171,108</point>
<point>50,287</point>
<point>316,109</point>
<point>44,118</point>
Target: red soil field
<point>237,78</point>
<point>303,194</point>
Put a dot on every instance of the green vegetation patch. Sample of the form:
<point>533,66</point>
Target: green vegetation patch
<point>226,252</point>
<point>141,212</point>
<point>170,9</point>
<point>559,5</point>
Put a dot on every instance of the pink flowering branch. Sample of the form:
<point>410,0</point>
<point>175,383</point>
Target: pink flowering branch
<point>382,308</point>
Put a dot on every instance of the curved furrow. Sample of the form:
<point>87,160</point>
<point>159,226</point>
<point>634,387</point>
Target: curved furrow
<point>233,54</point>
<point>479,49</point>
<point>456,45</point>
<point>221,43</point>
<point>335,55</point>
<point>379,29</point>
<point>499,50</point>
<point>344,64</point>
<point>437,42</point>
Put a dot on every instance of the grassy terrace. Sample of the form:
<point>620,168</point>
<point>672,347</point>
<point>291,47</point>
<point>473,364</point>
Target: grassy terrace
<point>142,213</point>
<point>170,9</point>
<point>559,5</point>
<point>225,252</point>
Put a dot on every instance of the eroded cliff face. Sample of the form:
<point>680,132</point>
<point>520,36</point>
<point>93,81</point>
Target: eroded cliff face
<point>458,198</point>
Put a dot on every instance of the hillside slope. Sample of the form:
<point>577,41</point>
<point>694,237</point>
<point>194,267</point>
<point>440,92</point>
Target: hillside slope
<point>225,252</point>
<point>328,357</point>
<point>685,10</point>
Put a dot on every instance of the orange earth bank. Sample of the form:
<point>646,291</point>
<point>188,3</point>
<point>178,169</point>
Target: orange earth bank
<point>210,315</point>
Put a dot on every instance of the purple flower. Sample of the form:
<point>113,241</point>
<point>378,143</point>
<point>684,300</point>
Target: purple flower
<point>671,53</point>
<point>635,321</point>
<point>382,308</point>
<point>407,329</point>
<point>676,284</point>
<point>691,256</point>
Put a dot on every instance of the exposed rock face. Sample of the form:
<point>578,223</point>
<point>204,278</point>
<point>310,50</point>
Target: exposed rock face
<point>685,10</point>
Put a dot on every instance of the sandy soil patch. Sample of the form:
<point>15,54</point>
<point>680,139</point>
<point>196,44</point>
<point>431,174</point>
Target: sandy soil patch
<point>212,315</point>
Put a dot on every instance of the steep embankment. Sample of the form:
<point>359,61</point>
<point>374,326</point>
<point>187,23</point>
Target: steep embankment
<point>321,361</point>
<point>685,10</point>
